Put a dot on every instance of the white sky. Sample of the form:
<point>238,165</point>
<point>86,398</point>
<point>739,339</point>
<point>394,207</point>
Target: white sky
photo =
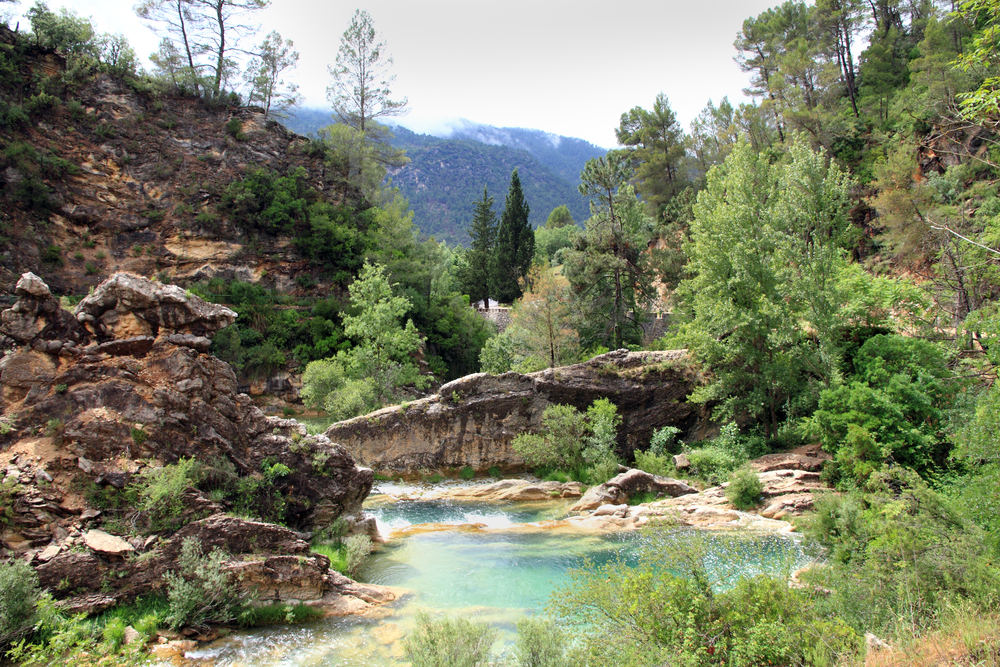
<point>569,67</point>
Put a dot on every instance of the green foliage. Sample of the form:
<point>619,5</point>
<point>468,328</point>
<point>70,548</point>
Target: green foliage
<point>475,271</point>
<point>745,488</point>
<point>380,362</point>
<point>664,440</point>
<point>670,608</point>
<point>280,614</point>
<point>266,202</point>
<point>765,254</point>
<point>573,441</point>
<point>541,643</point>
<point>467,473</point>
<point>234,128</point>
<point>448,642</point>
<point>894,408</point>
<point>162,490</point>
<point>346,555</point>
<point>515,245</point>
<point>19,592</point>
<point>200,592</point>
<point>654,464</point>
<point>497,355</point>
<point>900,553</point>
<point>559,217</point>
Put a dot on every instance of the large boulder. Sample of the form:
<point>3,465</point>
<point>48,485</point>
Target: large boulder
<point>473,420</point>
<point>37,320</point>
<point>629,485</point>
<point>129,306</point>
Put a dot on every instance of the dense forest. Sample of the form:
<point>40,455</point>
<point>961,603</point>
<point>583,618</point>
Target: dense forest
<point>827,253</point>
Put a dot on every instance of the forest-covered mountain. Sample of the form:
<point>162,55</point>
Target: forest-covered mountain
<point>447,174</point>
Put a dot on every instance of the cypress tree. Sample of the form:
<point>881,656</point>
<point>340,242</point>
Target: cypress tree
<point>479,259</point>
<point>515,246</point>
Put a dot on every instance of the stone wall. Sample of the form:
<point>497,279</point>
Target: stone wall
<point>497,315</point>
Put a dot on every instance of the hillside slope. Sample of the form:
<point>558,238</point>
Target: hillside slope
<point>110,179</point>
<point>447,173</point>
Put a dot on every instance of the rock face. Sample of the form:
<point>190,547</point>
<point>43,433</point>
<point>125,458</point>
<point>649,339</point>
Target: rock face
<point>92,399</point>
<point>472,420</point>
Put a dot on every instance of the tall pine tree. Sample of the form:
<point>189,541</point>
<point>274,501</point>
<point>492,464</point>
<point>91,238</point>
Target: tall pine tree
<point>475,275</point>
<point>515,245</point>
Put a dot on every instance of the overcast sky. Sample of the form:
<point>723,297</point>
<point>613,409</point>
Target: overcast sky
<point>569,67</point>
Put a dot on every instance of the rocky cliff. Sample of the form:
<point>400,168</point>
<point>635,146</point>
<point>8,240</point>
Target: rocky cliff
<point>473,420</point>
<point>112,178</point>
<point>99,399</point>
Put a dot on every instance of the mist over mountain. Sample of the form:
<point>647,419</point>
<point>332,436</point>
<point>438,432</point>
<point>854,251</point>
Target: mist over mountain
<point>448,170</point>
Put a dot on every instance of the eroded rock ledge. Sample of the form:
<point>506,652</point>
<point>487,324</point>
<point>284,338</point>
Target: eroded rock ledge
<point>122,384</point>
<point>472,421</point>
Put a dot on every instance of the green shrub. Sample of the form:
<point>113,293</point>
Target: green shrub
<point>669,608</point>
<point>19,592</point>
<point>52,255</point>
<point>570,440</point>
<point>541,643</point>
<point>234,128</point>
<point>446,642</point>
<point>162,490</point>
<point>712,464</point>
<point>90,268</point>
<point>653,463</point>
<point>744,490</point>
<point>41,104</point>
<point>105,131</point>
<point>467,473</point>
<point>494,471</point>
<point>279,614</point>
<point>200,592</point>
<point>900,554</point>
<point>664,441</point>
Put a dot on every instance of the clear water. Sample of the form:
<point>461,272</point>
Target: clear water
<point>496,573</point>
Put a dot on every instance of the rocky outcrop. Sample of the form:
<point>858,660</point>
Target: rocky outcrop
<point>472,420</point>
<point>271,561</point>
<point>629,485</point>
<point>95,399</point>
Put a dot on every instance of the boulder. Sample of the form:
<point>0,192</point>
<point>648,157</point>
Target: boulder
<point>628,485</point>
<point>473,420</point>
<point>106,543</point>
<point>37,320</point>
<point>127,306</point>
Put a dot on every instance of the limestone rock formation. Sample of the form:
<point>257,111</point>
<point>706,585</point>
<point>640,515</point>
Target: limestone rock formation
<point>473,420</point>
<point>125,386</point>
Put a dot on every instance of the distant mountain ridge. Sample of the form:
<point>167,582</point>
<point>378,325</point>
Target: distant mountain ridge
<point>447,174</point>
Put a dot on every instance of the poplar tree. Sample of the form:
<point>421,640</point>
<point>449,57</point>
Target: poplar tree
<point>515,246</point>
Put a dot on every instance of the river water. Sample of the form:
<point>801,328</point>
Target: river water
<point>493,562</point>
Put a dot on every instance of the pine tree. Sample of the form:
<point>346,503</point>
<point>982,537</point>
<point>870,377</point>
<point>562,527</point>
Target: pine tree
<point>475,275</point>
<point>515,246</point>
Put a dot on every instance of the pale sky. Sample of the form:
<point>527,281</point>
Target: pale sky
<point>569,67</point>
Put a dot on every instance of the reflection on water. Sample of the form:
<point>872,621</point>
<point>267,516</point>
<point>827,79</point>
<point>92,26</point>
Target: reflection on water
<point>494,575</point>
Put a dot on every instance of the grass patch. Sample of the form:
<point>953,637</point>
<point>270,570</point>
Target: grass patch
<point>280,614</point>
